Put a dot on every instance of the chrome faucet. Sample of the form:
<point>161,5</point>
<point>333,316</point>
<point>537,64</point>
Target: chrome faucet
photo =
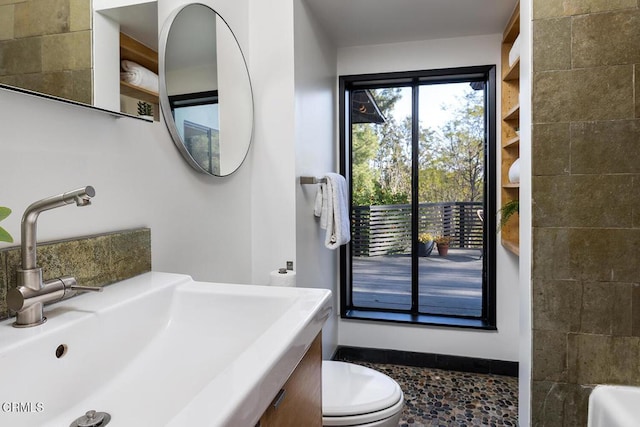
<point>31,293</point>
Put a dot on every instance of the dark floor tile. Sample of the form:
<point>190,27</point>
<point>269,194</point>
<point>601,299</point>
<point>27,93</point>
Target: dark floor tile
<point>435,397</point>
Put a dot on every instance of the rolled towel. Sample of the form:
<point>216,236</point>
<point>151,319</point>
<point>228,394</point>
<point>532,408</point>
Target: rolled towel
<point>137,75</point>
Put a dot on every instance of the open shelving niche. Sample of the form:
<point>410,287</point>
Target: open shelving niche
<point>510,145</point>
<point>135,51</point>
<point>124,29</point>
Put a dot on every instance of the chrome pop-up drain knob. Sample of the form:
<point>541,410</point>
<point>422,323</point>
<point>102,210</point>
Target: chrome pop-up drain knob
<point>92,419</point>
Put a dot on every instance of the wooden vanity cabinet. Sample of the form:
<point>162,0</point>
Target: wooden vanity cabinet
<point>299,402</point>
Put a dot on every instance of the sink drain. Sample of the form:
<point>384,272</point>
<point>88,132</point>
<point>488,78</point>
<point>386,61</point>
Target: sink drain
<point>92,419</point>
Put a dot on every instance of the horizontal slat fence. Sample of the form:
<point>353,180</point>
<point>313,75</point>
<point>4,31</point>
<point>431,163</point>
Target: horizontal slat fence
<point>386,229</point>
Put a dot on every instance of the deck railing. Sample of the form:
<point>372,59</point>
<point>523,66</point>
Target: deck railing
<point>386,229</point>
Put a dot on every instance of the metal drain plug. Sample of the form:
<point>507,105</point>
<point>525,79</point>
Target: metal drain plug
<point>92,419</point>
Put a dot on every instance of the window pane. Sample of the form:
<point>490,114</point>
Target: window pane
<point>381,193</point>
<point>451,197</point>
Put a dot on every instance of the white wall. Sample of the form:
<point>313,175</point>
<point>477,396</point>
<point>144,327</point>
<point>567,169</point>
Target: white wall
<point>140,180</point>
<point>526,67</point>
<point>500,345</point>
<point>106,62</point>
<point>315,96</point>
<point>273,155</point>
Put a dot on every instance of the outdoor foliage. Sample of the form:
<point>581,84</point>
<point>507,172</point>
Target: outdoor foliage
<point>450,157</point>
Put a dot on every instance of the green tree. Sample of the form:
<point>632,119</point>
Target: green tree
<point>379,156</point>
<point>364,149</point>
<point>461,150</point>
<point>386,99</point>
<point>393,159</point>
<point>450,159</point>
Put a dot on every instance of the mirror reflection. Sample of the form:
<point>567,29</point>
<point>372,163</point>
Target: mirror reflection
<point>72,50</point>
<point>205,92</point>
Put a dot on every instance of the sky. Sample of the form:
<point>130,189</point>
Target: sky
<point>431,98</point>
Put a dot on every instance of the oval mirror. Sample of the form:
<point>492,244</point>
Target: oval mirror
<point>205,91</point>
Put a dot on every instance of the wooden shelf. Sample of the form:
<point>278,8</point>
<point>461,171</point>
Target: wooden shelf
<point>512,114</point>
<point>511,246</point>
<point>510,110</point>
<point>135,51</point>
<point>510,234</point>
<point>139,93</point>
<point>513,73</point>
<point>512,30</point>
<point>512,142</point>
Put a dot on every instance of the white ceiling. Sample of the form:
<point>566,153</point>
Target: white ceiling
<point>365,22</point>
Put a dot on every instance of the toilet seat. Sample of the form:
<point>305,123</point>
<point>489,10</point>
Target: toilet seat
<point>367,420</point>
<point>356,395</point>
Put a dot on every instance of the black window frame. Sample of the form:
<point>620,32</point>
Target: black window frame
<point>193,99</point>
<point>486,73</point>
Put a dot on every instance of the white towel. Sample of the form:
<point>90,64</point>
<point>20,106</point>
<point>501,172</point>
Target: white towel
<point>137,75</point>
<point>331,206</point>
<point>321,205</point>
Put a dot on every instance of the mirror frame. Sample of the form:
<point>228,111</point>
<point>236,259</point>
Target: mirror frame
<point>164,96</point>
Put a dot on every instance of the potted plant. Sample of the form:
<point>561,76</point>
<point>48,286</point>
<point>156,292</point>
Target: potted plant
<point>443,245</point>
<point>425,244</point>
<point>4,235</point>
<point>507,211</point>
<point>145,110</point>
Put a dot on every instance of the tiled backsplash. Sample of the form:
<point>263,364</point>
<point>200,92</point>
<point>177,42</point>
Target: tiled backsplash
<point>96,260</point>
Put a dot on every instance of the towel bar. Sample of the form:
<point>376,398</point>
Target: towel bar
<point>312,180</point>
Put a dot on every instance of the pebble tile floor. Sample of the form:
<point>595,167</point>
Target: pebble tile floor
<point>435,397</point>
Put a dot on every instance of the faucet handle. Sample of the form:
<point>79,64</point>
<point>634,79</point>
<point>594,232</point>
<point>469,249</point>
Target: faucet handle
<point>70,283</point>
<point>85,288</point>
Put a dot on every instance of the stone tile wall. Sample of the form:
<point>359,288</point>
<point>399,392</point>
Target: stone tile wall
<point>586,203</point>
<point>94,261</point>
<point>45,46</point>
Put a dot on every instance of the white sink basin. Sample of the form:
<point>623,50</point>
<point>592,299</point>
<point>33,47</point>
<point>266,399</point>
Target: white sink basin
<point>159,349</point>
<point>614,406</point>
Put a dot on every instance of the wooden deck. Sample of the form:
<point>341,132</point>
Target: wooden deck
<point>448,285</point>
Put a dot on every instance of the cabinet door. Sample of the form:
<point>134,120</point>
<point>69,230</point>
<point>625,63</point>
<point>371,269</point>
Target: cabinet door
<point>299,403</point>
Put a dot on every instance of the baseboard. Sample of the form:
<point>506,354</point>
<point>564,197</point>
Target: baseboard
<point>427,360</point>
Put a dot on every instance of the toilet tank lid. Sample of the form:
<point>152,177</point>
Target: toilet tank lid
<point>349,389</point>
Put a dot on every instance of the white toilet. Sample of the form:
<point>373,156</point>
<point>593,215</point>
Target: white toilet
<point>354,395</point>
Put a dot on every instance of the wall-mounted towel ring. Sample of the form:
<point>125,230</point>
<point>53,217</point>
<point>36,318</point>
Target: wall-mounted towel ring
<point>312,180</point>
